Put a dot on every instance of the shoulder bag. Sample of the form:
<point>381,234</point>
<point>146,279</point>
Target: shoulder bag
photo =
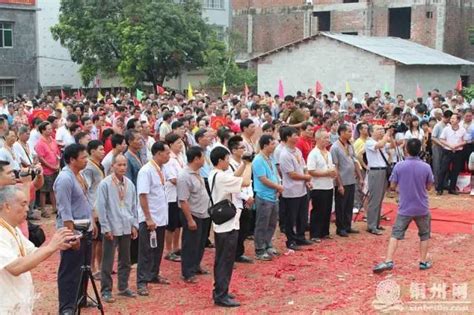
<point>222,211</point>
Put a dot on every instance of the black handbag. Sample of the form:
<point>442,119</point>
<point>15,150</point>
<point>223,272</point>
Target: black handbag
<point>36,234</point>
<point>222,211</point>
<point>389,166</point>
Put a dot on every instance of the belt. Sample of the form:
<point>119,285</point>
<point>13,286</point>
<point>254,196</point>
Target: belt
<point>378,168</point>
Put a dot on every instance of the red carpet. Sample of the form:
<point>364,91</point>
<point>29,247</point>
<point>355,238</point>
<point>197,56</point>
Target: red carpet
<point>443,221</point>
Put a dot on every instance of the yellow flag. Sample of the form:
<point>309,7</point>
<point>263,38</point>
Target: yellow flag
<point>348,87</point>
<point>190,91</point>
<point>99,96</point>
<point>224,88</point>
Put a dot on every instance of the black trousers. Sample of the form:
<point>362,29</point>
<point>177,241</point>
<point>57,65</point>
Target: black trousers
<point>320,217</point>
<point>281,214</point>
<point>149,259</point>
<point>344,205</point>
<point>69,272</point>
<point>193,244</point>
<point>296,219</point>
<point>226,244</point>
<point>245,222</point>
<point>457,159</point>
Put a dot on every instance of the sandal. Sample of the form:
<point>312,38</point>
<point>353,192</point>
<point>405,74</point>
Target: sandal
<point>191,280</point>
<point>143,291</point>
<point>160,280</point>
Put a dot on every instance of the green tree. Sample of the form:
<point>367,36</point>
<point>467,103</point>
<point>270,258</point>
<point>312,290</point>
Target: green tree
<point>220,64</point>
<point>141,40</point>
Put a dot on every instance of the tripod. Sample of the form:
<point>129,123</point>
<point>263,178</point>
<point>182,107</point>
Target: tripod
<point>86,275</point>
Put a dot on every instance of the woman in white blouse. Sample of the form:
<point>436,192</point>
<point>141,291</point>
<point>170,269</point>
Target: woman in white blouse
<point>414,131</point>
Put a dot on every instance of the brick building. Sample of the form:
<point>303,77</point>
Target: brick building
<point>439,24</point>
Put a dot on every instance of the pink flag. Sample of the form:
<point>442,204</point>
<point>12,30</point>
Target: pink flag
<point>246,92</point>
<point>419,92</point>
<point>281,91</point>
<point>319,87</point>
<point>63,95</point>
<point>159,89</point>
<point>459,85</point>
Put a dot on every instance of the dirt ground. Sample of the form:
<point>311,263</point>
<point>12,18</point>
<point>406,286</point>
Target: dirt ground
<point>334,276</point>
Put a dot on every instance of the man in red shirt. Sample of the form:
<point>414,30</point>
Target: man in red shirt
<point>48,155</point>
<point>306,139</point>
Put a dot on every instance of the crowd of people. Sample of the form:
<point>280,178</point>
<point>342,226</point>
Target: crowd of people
<point>145,172</point>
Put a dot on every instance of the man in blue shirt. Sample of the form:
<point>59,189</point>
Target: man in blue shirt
<point>267,188</point>
<point>73,203</point>
<point>414,179</point>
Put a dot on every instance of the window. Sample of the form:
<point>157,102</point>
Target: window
<point>429,14</point>
<point>213,4</point>
<point>6,35</point>
<point>7,87</point>
<point>399,22</point>
<point>350,33</point>
<point>350,1</point>
<point>324,20</point>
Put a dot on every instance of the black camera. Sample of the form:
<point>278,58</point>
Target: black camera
<point>248,157</point>
<point>30,172</point>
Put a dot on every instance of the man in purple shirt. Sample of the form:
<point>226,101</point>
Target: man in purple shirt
<point>414,179</point>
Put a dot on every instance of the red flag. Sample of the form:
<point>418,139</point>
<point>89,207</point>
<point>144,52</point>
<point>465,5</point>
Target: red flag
<point>63,95</point>
<point>419,92</point>
<point>217,122</point>
<point>459,85</point>
<point>246,92</point>
<point>159,89</point>
<point>319,87</point>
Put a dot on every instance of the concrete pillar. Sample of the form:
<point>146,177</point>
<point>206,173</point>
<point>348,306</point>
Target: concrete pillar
<point>250,34</point>
<point>440,24</point>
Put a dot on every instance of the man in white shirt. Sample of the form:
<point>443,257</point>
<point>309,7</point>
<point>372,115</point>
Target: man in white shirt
<point>63,135</point>
<point>323,172</point>
<point>18,255</point>
<point>223,185</point>
<point>21,148</point>
<point>453,138</point>
<point>118,146</point>
<point>153,218</point>
<point>242,200</point>
<point>378,163</point>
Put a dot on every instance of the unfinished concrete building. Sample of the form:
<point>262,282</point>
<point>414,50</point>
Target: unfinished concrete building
<point>439,24</point>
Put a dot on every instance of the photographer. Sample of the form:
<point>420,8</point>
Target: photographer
<point>223,186</point>
<point>73,204</point>
<point>378,163</point>
<point>18,255</point>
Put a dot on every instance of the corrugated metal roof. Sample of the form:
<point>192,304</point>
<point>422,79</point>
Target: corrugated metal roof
<point>400,50</point>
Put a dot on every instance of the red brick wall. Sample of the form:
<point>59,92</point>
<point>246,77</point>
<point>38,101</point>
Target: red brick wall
<point>274,30</point>
<point>423,29</point>
<point>345,21</point>
<point>245,4</point>
<point>458,21</point>
<point>240,26</point>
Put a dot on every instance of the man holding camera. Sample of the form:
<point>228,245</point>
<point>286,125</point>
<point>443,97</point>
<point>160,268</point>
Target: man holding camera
<point>225,185</point>
<point>18,256</point>
<point>243,200</point>
<point>378,164</point>
<point>73,204</point>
